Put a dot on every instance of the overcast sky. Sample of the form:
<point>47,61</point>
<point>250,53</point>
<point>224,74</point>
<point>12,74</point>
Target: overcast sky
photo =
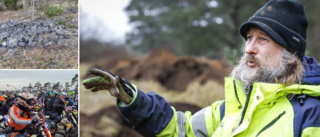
<point>21,78</point>
<point>104,20</point>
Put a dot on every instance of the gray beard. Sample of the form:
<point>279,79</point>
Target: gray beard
<point>263,73</point>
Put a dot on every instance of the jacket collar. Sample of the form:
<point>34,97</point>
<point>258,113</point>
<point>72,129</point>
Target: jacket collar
<point>272,91</point>
<point>312,71</point>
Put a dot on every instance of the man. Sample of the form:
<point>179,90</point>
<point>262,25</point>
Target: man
<point>272,91</point>
<point>46,101</point>
<point>59,105</point>
<point>20,119</point>
<point>4,107</point>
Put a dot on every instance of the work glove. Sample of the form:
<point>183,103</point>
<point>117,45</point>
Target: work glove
<point>117,86</point>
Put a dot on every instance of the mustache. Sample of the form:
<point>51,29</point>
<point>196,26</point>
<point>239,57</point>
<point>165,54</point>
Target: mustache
<point>246,58</point>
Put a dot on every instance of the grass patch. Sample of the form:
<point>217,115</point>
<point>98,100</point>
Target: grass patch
<point>62,22</point>
<point>72,26</point>
<point>41,58</point>
<point>53,11</point>
<point>66,25</point>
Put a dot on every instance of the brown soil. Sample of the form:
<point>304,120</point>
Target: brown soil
<point>163,66</point>
<point>11,15</point>
<point>148,68</point>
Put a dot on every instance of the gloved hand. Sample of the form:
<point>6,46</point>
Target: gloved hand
<point>35,120</point>
<point>68,108</point>
<point>31,129</point>
<point>116,85</point>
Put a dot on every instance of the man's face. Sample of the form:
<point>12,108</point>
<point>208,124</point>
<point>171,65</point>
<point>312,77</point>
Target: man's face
<point>262,61</point>
<point>263,50</point>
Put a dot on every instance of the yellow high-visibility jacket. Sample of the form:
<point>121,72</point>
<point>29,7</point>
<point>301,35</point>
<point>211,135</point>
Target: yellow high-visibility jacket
<point>266,110</point>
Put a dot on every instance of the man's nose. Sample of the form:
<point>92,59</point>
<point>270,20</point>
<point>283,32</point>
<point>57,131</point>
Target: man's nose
<point>251,47</point>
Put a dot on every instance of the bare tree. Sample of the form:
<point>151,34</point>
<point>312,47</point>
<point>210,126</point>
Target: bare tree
<point>67,86</point>
<point>56,86</point>
<point>75,81</point>
<point>38,4</point>
<point>24,88</point>
<point>46,3</point>
<point>25,4</point>
<point>47,86</point>
<point>26,7</point>
<point>30,88</point>
<point>60,87</point>
<point>38,86</point>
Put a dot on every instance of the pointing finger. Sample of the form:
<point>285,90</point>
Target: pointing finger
<point>102,73</point>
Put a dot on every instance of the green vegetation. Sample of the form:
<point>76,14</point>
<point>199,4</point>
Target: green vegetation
<point>53,11</point>
<point>61,22</point>
<point>203,28</point>
<point>11,4</point>
<point>199,28</point>
<point>66,25</point>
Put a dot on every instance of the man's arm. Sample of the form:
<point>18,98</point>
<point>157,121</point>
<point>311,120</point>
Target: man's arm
<point>150,114</point>
<point>14,114</point>
<point>57,104</point>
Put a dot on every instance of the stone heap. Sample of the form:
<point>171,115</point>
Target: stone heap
<point>34,33</point>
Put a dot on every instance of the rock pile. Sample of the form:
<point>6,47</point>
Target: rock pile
<point>35,33</point>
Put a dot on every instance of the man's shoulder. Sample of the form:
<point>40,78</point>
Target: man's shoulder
<point>306,112</point>
<point>307,109</point>
<point>305,102</point>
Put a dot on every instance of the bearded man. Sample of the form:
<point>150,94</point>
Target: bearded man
<point>273,91</point>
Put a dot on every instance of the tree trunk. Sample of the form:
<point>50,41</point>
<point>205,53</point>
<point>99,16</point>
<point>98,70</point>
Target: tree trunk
<point>38,4</point>
<point>32,4</point>
<point>60,5</point>
<point>25,8</point>
<point>46,3</point>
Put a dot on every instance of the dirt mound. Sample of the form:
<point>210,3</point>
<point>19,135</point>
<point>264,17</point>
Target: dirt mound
<point>104,56</point>
<point>123,128</point>
<point>185,70</point>
<point>172,72</point>
<point>148,68</point>
<point>163,66</point>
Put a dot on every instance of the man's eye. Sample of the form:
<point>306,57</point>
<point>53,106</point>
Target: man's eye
<point>249,37</point>
<point>263,40</point>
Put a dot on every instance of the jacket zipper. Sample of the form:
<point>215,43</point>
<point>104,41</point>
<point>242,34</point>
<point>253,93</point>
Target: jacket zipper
<point>246,105</point>
<point>244,109</point>
<point>235,91</point>
<point>271,123</point>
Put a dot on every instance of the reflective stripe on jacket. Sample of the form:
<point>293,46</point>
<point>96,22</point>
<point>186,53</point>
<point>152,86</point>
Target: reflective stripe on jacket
<point>18,118</point>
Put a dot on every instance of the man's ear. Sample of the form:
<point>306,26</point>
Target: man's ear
<point>292,60</point>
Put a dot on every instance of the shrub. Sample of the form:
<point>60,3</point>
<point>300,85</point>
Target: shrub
<point>53,11</point>
<point>11,4</point>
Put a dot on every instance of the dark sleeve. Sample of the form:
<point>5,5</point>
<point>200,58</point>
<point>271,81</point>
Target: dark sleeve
<point>149,113</point>
<point>57,104</point>
<point>6,107</point>
<point>305,115</point>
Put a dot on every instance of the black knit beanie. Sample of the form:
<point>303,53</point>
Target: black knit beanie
<point>284,21</point>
